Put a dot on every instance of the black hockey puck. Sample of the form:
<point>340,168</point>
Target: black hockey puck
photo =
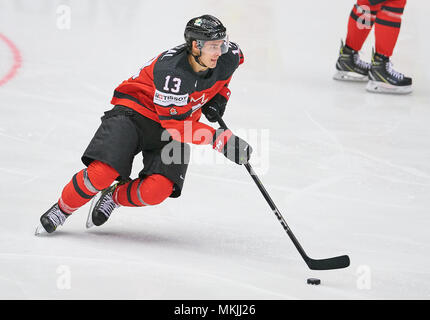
<point>314,281</point>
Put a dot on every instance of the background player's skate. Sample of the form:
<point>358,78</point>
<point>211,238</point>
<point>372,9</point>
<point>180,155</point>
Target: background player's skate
<point>384,79</point>
<point>385,18</point>
<point>349,66</point>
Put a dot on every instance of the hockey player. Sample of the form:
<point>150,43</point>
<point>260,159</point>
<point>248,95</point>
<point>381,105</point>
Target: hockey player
<point>386,15</point>
<point>157,112</point>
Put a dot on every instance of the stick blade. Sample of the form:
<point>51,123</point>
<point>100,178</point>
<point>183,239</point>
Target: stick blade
<point>328,264</point>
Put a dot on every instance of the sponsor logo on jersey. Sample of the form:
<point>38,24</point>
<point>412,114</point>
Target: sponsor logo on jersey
<point>173,111</point>
<point>167,99</point>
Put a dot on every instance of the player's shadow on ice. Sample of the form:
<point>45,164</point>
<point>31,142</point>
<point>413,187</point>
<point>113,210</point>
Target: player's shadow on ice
<point>127,237</point>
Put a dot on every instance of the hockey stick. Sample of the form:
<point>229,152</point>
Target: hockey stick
<point>313,264</point>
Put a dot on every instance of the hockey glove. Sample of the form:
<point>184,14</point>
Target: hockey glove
<point>233,147</point>
<point>216,105</point>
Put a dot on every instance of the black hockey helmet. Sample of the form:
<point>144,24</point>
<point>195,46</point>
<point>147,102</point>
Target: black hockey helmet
<point>204,28</point>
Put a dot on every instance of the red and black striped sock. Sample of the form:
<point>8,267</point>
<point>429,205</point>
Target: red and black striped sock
<point>152,190</point>
<point>387,27</point>
<point>360,23</point>
<point>85,185</point>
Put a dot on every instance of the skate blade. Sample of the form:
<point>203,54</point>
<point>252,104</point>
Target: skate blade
<point>381,87</point>
<point>40,230</point>
<point>350,76</point>
<point>89,223</point>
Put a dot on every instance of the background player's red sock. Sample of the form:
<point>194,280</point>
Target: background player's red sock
<point>360,23</point>
<point>85,184</point>
<point>387,28</point>
<point>152,190</point>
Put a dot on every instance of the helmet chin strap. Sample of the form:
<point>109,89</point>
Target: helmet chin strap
<point>197,59</point>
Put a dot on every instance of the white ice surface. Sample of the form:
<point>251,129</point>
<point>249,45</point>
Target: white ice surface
<point>349,170</point>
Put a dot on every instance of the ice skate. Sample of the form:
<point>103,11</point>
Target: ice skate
<point>50,220</point>
<point>349,66</point>
<point>384,79</point>
<point>101,207</point>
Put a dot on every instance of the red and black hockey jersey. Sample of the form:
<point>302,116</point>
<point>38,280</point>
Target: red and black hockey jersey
<point>167,90</point>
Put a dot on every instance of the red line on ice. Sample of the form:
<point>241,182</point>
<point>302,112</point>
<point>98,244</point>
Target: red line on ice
<point>16,60</point>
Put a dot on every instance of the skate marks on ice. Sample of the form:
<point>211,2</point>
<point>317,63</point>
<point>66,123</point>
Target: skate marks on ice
<point>344,150</point>
<point>165,279</point>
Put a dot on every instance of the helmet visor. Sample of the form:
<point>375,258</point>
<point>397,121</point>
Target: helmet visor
<point>213,46</point>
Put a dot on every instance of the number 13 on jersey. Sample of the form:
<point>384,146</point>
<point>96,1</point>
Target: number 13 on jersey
<point>176,84</point>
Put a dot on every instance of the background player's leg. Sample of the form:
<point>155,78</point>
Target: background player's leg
<point>387,28</point>
<point>383,78</point>
<point>349,66</point>
<point>360,23</point>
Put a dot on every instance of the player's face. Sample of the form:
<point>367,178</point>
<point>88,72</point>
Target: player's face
<point>211,51</point>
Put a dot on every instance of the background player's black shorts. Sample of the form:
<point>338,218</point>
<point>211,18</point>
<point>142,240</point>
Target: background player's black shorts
<point>124,133</point>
